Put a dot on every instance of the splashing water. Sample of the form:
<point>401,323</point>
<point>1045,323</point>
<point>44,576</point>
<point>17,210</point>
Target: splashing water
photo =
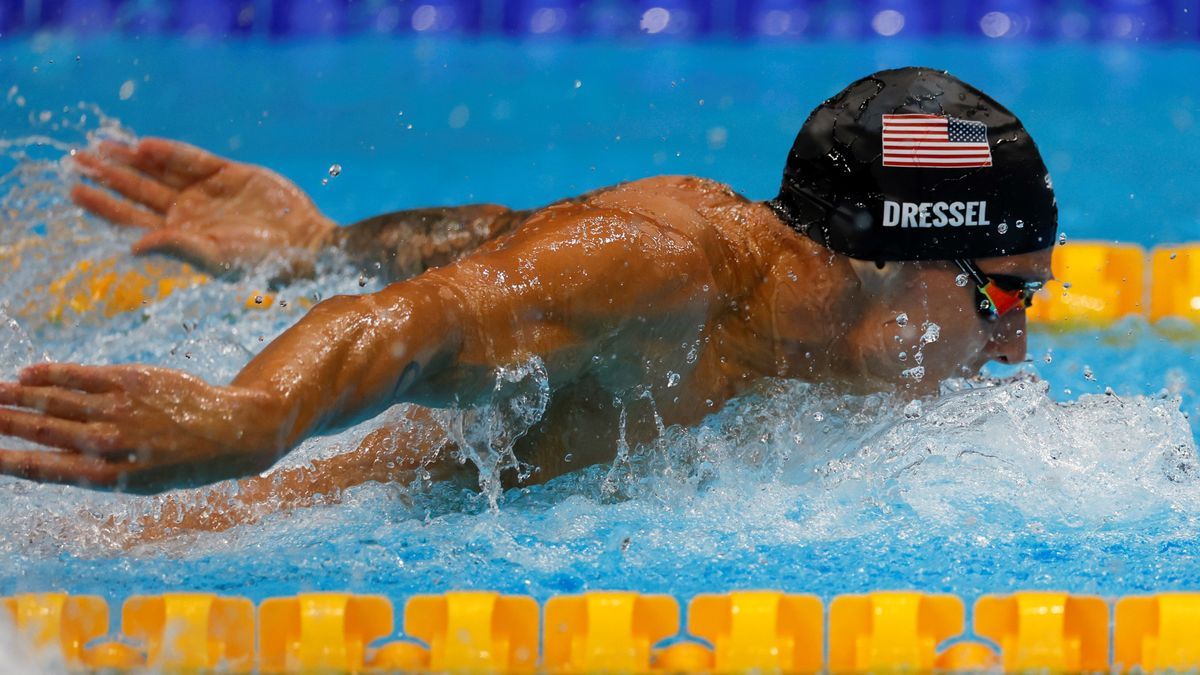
<point>991,486</point>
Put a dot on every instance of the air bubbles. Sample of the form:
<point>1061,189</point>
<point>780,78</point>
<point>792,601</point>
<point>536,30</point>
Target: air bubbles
<point>962,280</point>
<point>672,378</point>
<point>335,170</point>
<point>1049,356</point>
<point>1062,239</point>
<point>903,356</point>
<point>902,319</point>
<point>362,281</point>
<point>1002,228</point>
<point>1020,332</point>
<point>258,299</point>
<point>1088,373</point>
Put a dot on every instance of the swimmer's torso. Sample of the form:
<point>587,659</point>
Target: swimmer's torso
<point>652,370</point>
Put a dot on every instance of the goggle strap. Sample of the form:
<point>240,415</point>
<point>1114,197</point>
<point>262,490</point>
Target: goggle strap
<point>969,267</point>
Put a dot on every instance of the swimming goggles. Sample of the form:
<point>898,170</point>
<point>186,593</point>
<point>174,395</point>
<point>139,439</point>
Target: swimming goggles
<point>998,294</point>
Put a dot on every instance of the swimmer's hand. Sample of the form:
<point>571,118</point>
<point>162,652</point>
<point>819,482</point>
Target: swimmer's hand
<point>133,428</point>
<point>207,209</point>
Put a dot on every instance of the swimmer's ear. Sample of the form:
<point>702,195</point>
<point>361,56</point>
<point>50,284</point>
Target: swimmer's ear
<point>875,276</point>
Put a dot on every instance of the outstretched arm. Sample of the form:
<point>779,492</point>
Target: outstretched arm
<point>393,453</point>
<point>568,282</point>
<point>223,214</point>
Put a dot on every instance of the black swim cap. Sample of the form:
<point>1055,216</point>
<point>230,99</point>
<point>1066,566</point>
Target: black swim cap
<point>914,164</point>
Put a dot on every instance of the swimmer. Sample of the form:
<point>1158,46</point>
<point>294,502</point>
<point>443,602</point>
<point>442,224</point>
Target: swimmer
<point>913,208</point>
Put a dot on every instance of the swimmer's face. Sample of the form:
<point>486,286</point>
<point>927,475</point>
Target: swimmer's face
<point>923,314</point>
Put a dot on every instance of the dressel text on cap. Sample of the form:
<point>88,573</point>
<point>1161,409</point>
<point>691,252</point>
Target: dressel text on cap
<point>934,214</point>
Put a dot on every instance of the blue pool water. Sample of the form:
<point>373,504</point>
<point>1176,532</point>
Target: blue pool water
<point>1037,480</point>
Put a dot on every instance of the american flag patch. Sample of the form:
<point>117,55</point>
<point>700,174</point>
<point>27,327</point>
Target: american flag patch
<point>934,141</point>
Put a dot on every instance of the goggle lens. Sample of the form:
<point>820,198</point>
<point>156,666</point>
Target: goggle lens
<point>999,294</point>
<point>1001,301</point>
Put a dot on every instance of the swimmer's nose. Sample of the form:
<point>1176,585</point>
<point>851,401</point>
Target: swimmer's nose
<point>1008,343</point>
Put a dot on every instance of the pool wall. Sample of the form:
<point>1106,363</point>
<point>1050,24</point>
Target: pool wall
<point>1070,20</point>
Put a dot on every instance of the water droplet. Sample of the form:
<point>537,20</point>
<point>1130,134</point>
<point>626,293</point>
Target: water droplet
<point>335,170</point>
<point>1088,374</point>
<point>1048,358</point>
<point>902,320</point>
<point>1066,284</point>
<point>1062,239</point>
<point>903,356</point>
<point>931,334</point>
<point>362,281</point>
<point>1020,332</point>
<point>672,378</point>
<point>962,280</point>
<point>578,83</point>
<point>913,410</point>
<point>258,299</point>
<point>1172,255</point>
<point>1002,228</point>
<point>818,416</point>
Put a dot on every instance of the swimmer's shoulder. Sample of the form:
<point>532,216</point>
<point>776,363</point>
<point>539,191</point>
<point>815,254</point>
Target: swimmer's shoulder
<point>692,191</point>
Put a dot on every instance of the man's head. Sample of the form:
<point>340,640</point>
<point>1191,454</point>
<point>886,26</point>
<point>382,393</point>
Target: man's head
<point>939,199</point>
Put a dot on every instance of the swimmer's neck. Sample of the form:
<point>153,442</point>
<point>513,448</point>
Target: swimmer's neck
<point>802,305</point>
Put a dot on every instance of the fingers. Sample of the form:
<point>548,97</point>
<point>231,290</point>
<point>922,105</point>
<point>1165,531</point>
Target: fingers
<point>128,182</point>
<point>116,210</point>
<point>119,152</point>
<point>54,401</point>
<point>59,467</point>
<point>94,379</point>
<point>190,245</point>
<point>176,164</point>
<point>59,433</point>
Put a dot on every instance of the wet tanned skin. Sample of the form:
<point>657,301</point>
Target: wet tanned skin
<point>607,290</point>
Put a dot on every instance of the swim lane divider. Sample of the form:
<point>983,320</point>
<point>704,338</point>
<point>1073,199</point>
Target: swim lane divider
<point>1101,282</point>
<point>611,631</point>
